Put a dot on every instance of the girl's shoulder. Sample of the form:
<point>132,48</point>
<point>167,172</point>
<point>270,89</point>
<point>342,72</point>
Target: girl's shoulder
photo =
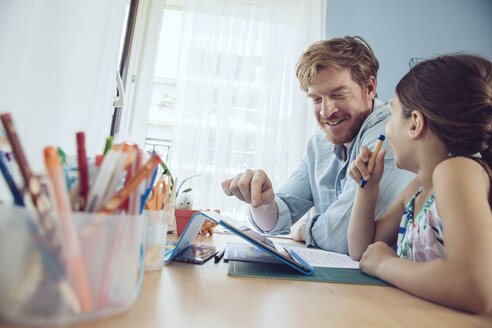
<point>459,163</point>
<point>460,170</point>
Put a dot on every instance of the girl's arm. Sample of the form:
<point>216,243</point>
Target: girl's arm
<point>462,280</point>
<point>363,230</point>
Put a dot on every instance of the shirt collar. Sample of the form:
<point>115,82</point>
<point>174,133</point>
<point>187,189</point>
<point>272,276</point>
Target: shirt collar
<point>340,152</point>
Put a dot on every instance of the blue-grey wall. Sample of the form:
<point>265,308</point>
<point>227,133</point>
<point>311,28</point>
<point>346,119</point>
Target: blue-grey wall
<point>399,30</point>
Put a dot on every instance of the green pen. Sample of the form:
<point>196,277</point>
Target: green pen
<point>63,156</point>
<point>107,146</point>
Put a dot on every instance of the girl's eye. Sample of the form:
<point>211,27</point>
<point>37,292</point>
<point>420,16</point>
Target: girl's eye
<point>338,95</point>
<point>317,100</point>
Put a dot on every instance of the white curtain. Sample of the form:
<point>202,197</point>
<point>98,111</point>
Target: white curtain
<point>58,63</point>
<point>239,104</point>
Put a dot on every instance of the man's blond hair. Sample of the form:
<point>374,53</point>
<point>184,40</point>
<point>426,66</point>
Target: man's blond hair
<point>353,52</point>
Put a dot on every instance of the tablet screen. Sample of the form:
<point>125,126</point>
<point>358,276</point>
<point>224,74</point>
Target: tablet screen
<point>263,239</point>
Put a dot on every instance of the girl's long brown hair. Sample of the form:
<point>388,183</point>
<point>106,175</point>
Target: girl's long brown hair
<point>454,93</point>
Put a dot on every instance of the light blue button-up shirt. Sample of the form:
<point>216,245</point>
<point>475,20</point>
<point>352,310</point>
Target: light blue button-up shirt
<point>322,181</point>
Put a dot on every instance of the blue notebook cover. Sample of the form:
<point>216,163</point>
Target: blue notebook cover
<point>187,238</point>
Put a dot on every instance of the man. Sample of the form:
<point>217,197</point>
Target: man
<point>339,75</point>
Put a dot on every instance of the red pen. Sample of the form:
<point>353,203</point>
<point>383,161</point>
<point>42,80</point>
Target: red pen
<point>83,172</point>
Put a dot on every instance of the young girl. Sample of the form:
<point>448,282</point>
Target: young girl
<point>441,129</point>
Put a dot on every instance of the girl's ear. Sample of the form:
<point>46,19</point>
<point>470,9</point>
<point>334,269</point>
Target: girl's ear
<point>417,125</point>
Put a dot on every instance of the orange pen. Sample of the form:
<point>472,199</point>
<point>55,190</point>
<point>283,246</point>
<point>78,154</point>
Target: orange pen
<point>76,269</point>
<point>133,183</point>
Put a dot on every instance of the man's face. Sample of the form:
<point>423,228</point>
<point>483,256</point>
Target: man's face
<point>340,104</point>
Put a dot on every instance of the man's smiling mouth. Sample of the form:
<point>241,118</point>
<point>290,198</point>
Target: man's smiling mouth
<point>333,123</point>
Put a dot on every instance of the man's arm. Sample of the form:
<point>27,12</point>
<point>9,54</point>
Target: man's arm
<point>265,216</point>
<point>292,201</point>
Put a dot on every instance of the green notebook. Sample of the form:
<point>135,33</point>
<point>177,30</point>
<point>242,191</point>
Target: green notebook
<point>280,271</point>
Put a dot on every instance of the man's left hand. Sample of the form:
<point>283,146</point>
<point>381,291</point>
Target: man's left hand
<point>298,230</point>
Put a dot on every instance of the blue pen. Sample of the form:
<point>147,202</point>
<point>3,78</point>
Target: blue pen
<point>372,160</point>
<point>18,199</point>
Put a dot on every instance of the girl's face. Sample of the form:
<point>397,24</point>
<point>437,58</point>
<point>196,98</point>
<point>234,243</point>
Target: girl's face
<point>397,133</point>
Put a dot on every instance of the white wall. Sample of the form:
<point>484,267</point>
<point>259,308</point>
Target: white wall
<point>58,63</point>
<point>399,30</point>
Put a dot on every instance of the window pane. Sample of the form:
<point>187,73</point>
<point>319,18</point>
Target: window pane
<point>159,129</point>
<point>167,57</point>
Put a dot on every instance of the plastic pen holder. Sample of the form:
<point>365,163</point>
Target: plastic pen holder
<point>29,294</point>
<point>155,239</point>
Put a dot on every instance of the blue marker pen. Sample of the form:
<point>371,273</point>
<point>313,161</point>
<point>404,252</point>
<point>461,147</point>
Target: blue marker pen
<point>148,188</point>
<point>18,199</point>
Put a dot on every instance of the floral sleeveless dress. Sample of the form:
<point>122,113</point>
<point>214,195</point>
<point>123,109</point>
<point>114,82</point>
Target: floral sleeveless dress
<point>420,237</point>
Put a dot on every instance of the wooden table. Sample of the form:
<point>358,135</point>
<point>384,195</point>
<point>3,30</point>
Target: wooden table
<point>188,295</point>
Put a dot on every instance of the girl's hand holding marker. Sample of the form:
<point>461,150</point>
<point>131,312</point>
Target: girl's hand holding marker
<point>368,165</point>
